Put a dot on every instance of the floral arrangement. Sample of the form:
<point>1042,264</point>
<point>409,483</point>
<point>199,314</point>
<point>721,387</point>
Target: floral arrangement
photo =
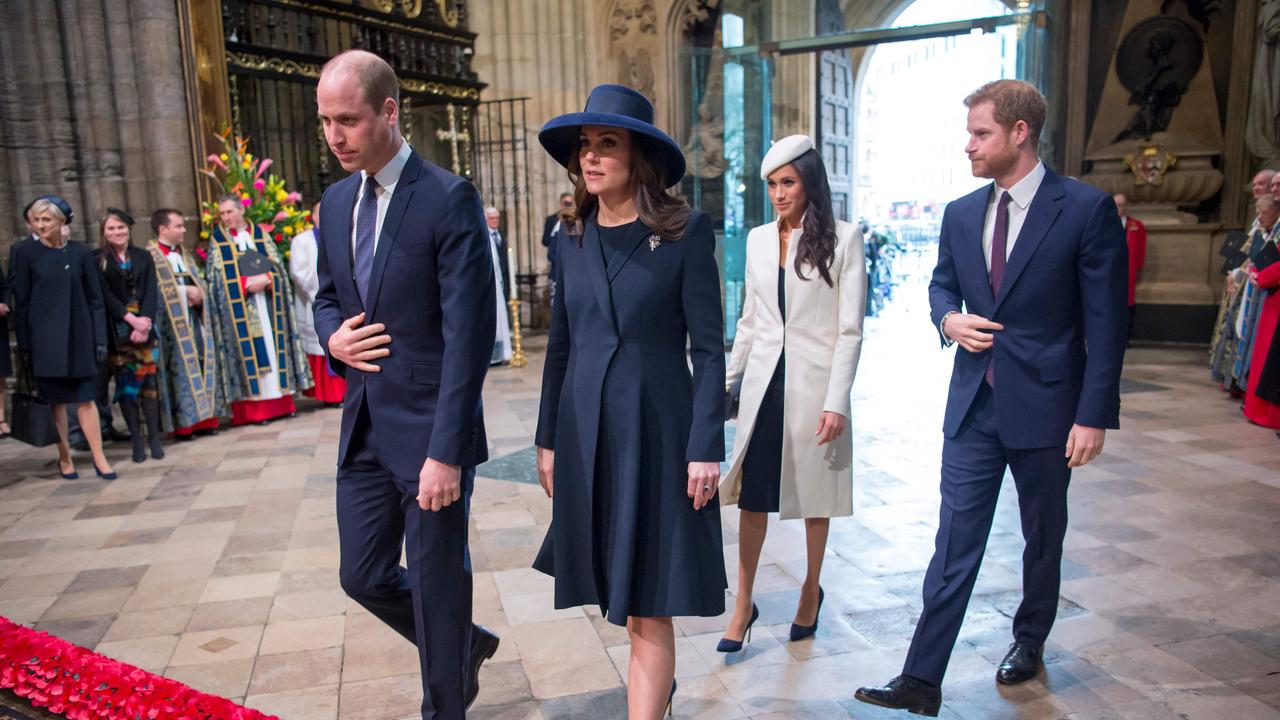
<point>67,680</point>
<point>267,203</point>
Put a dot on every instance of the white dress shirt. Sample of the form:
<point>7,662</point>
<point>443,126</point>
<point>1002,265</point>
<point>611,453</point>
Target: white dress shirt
<point>387,179</point>
<point>1022,193</point>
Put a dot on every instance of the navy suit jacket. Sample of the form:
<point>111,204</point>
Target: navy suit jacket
<point>1063,302</point>
<point>432,286</point>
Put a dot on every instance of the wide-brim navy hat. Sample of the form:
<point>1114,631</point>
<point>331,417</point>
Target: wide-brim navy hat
<point>614,106</point>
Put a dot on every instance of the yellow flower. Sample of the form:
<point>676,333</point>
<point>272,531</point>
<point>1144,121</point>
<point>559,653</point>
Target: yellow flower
<point>204,234</point>
<point>223,157</point>
<point>281,196</point>
<point>289,230</point>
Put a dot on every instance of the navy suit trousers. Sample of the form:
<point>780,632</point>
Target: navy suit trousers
<point>973,466</point>
<point>429,602</point>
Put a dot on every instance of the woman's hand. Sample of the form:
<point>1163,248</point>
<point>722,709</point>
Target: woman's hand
<point>138,337</point>
<point>134,321</point>
<point>830,426</point>
<point>704,481</point>
<point>546,468</point>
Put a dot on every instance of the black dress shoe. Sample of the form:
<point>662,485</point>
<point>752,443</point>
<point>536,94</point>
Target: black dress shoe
<point>1021,664</point>
<point>483,645</point>
<point>904,693</point>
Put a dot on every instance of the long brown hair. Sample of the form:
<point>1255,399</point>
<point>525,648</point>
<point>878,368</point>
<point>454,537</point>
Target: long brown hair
<point>660,211</point>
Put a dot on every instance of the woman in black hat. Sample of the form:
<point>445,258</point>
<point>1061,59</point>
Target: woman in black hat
<point>61,327</point>
<point>629,441</point>
<point>132,298</point>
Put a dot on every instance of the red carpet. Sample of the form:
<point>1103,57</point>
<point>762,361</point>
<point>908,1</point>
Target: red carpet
<point>67,680</point>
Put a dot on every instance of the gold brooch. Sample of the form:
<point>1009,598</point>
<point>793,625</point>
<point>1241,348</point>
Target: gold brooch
<point>654,242</point>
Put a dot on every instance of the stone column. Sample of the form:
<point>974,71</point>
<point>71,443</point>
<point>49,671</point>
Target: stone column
<point>93,107</point>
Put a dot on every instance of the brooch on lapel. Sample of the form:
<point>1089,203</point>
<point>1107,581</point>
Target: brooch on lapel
<point>654,242</point>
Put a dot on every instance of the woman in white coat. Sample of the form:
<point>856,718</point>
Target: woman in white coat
<point>796,352</point>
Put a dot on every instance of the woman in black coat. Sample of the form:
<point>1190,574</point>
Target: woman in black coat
<point>61,327</point>
<point>132,297</point>
<point>629,442</point>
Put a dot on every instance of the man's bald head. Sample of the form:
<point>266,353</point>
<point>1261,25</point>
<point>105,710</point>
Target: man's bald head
<point>373,74</point>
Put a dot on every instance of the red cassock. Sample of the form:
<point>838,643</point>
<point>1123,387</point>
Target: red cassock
<point>1255,408</point>
<point>1136,234</point>
<point>329,388</point>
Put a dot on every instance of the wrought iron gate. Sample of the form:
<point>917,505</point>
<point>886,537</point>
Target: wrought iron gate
<point>276,48</point>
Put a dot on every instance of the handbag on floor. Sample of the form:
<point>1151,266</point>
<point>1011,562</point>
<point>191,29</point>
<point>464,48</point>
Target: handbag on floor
<point>32,416</point>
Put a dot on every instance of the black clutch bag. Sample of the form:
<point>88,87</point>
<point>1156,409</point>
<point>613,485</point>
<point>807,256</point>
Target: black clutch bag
<point>252,262</point>
<point>732,397</point>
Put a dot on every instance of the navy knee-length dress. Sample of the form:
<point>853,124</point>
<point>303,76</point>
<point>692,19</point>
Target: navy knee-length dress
<point>625,415</point>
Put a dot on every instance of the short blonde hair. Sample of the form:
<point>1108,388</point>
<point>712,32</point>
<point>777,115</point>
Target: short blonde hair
<point>1013,100</point>
<point>43,205</point>
<point>377,78</point>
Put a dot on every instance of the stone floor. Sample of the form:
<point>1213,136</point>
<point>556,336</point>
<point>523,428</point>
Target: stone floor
<point>218,566</point>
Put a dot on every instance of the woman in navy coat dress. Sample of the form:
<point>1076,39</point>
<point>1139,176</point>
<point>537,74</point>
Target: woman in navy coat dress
<point>61,327</point>
<point>629,441</point>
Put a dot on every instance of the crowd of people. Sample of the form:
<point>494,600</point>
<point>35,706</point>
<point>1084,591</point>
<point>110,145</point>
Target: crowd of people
<point>1244,358</point>
<point>177,346</point>
<point>635,389</point>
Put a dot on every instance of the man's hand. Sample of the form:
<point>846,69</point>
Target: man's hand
<point>546,469</point>
<point>971,331</point>
<point>1084,444</point>
<point>194,296</point>
<point>439,485</point>
<point>704,481</point>
<point>4,310</point>
<point>257,283</point>
<point>357,345</point>
<point>830,427</point>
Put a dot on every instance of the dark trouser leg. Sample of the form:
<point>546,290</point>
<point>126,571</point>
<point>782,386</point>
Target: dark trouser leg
<point>151,412</point>
<point>973,466</point>
<point>370,535</point>
<point>1042,478</point>
<point>440,577</point>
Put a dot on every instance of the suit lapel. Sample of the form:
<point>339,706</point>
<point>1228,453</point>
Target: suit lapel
<point>593,258</point>
<point>972,230</point>
<point>338,236</point>
<point>1044,210</point>
<point>620,260</point>
<point>400,198</point>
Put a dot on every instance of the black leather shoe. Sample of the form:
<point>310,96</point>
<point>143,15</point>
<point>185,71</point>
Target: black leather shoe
<point>904,693</point>
<point>1021,664</point>
<point>483,645</point>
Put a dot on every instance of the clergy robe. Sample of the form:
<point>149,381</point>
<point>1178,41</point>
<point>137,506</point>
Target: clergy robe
<point>261,361</point>
<point>1256,408</point>
<point>191,398</point>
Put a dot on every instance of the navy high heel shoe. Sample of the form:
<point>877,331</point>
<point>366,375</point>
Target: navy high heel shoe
<point>105,476</point>
<point>732,646</point>
<point>800,632</point>
<point>672,697</point>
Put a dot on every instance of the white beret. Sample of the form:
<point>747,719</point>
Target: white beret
<point>784,151</point>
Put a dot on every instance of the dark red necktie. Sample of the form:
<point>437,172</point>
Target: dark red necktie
<point>999,248</point>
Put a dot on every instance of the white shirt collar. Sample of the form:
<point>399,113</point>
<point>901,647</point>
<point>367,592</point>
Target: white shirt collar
<point>1024,191</point>
<point>389,175</point>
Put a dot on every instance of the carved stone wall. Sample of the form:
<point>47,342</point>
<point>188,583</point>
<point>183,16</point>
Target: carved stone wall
<point>93,107</point>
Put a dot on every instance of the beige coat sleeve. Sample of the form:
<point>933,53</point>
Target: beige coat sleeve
<point>852,310</point>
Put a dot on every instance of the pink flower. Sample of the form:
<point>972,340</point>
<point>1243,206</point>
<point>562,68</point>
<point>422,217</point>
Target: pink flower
<point>262,167</point>
<point>246,201</point>
<point>259,185</point>
<point>217,161</point>
<point>282,215</point>
<point>294,198</point>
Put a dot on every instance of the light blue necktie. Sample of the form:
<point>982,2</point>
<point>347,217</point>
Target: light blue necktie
<point>366,226</point>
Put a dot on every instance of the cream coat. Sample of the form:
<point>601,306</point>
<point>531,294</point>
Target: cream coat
<point>822,337</point>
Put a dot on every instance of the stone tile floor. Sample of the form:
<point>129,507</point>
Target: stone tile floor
<point>218,566</point>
